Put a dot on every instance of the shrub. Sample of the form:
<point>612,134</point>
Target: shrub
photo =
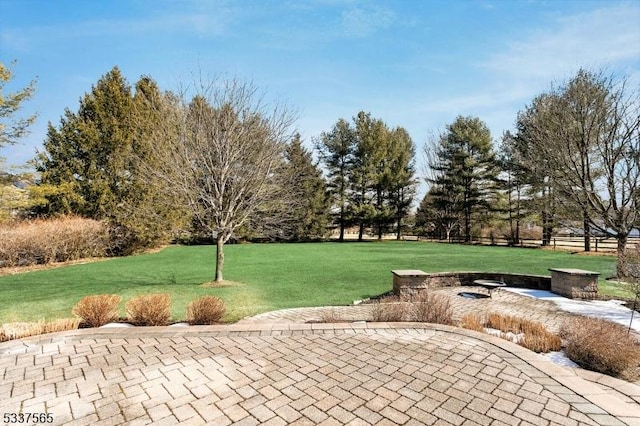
<point>419,305</point>
<point>628,267</point>
<point>535,335</point>
<point>96,311</point>
<point>63,324</point>
<point>530,334</point>
<point>542,341</point>
<point>330,316</point>
<point>205,310</point>
<point>149,309</point>
<point>506,323</point>
<point>629,271</point>
<point>603,346</point>
<point>388,309</point>
<point>432,308</point>
<point>472,322</point>
<point>52,240</point>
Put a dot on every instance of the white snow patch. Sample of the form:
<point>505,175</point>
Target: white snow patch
<point>560,358</point>
<point>611,310</point>
<point>557,357</point>
<point>117,325</point>
<point>515,338</point>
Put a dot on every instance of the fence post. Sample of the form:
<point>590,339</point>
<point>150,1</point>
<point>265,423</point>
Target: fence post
<point>596,245</point>
<point>554,243</point>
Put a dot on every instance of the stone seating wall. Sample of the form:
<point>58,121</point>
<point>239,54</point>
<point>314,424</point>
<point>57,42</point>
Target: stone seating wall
<point>405,285</point>
<point>571,283</point>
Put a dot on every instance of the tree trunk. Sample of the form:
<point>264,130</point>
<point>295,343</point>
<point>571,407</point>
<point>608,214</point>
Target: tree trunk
<point>379,213</point>
<point>467,227</point>
<point>622,244</point>
<point>360,230</point>
<point>543,215</point>
<point>341,239</point>
<point>219,257</point>
<point>586,227</point>
<point>512,235</point>
<point>398,231</point>
<point>517,239</point>
<point>512,231</point>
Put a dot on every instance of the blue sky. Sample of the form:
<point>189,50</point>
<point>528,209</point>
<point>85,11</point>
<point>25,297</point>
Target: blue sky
<point>415,64</point>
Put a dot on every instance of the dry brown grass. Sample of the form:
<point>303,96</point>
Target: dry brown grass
<point>534,336</point>
<point>541,342</point>
<point>96,311</point>
<point>53,240</point>
<point>506,323</point>
<point>205,310</point>
<point>388,309</point>
<point>19,330</point>
<point>419,307</point>
<point>472,322</point>
<point>149,309</point>
<point>600,345</point>
<point>431,308</point>
<point>330,316</point>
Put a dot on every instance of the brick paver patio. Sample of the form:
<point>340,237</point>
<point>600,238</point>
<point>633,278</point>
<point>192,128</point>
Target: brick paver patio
<point>276,374</point>
<point>503,301</point>
<point>284,368</point>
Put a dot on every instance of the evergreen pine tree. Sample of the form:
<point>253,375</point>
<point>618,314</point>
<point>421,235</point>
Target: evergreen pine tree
<point>94,157</point>
<point>336,149</point>
<point>310,213</point>
<point>465,168</point>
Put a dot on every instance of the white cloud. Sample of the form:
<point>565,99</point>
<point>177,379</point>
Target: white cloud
<point>214,20</point>
<point>508,80</point>
<point>592,39</point>
<point>363,22</point>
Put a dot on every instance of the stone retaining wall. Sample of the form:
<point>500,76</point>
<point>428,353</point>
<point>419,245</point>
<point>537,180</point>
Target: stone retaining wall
<point>575,283</point>
<point>452,279</point>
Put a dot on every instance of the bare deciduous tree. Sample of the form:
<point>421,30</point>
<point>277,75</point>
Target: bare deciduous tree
<point>220,148</point>
<point>588,134</point>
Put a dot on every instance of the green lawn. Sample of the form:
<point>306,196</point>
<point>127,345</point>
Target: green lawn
<point>273,276</point>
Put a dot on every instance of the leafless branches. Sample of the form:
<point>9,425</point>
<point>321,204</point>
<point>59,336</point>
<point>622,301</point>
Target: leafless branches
<point>218,150</point>
<point>588,133</point>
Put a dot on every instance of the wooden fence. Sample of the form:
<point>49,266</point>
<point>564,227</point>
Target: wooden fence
<point>598,244</point>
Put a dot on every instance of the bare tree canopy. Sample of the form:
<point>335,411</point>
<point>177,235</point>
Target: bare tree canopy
<point>588,133</point>
<point>220,149</point>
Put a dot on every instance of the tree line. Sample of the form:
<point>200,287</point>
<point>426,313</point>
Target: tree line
<point>370,173</point>
<point>574,158</point>
<point>215,161</point>
<point>211,162</point>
